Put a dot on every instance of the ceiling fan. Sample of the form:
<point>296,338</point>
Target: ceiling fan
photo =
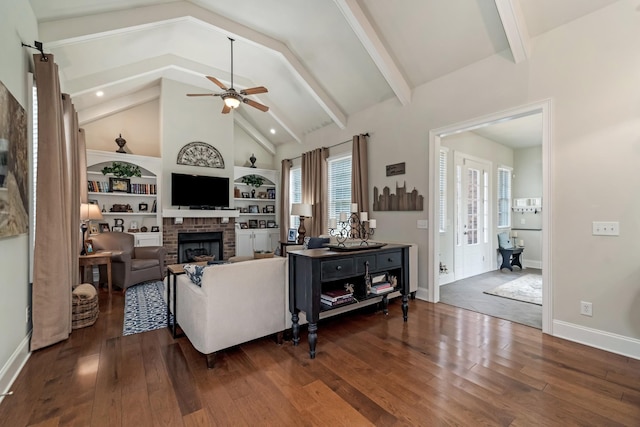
<point>231,97</point>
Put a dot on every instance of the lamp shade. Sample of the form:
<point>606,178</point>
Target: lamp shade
<point>301,209</point>
<point>232,102</point>
<point>90,211</point>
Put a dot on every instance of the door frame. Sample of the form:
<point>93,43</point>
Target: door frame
<point>545,108</point>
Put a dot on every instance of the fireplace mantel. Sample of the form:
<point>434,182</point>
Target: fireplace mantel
<point>200,213</point>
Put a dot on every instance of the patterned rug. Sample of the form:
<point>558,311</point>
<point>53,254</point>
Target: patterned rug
<point>144,308</point>
<point>527,288</point>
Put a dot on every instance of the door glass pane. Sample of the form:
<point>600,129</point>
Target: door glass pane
<point>473,202</point>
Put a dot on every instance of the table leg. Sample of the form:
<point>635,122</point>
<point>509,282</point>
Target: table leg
<point>385,305</point>
<point>295,328</point>
<point>405,306</point>
<point>169,274</point>
<point>313,339</point>
<point>109,275</point>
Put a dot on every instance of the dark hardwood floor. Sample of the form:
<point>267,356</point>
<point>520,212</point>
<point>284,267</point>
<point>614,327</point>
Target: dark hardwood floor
<point>446,366</point>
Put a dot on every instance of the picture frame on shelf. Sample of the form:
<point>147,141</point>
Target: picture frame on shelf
<point>119,185</point>
<point>244,225</point>
<point>104,227</point>
<point>244,210</point>
<point>262,224</point>
<point>155,228</point>
<point>291,236</point>
<point>262,195</point>
<point>253,223</point>
<point>271,193</point>
<point>153,207</point>
<point>117,228</point>
<point>271,208</point>
<point>271,224</point>
<point>88,247</point>
<point>246,195</point>
<point>143,207</point>
<point>254,209</point>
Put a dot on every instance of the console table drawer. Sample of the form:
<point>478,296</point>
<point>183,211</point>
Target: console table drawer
<point>337,269</point>
<point>389,260</point>
<point>361,262</point>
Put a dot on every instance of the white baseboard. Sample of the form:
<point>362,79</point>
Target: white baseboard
<point>608,341</point>
<point>446,278</point>
<point>14,365</point>
<point>527,263</point>
<point>422,294</point>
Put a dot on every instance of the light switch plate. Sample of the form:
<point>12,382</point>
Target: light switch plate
<point>423,223</point>
<point>606,228</point>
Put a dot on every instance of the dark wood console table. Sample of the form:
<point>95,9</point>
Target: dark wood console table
<point>314,271</point>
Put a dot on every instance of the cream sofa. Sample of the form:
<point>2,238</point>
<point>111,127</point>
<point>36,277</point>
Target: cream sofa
<point>236,303</point>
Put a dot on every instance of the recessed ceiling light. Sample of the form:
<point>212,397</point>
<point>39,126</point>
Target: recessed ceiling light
<point>273,131</point>
<point>99,93</point>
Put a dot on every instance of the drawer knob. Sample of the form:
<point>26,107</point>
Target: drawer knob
<point>339,267</point>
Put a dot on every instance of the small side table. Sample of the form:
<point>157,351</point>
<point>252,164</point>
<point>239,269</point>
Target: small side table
<point>283,247</point>
<point>98,258</point>
<point>175,270</point>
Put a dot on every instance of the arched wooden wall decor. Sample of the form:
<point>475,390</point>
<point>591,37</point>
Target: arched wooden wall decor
<point>200,154</point>
<point>401,201</point>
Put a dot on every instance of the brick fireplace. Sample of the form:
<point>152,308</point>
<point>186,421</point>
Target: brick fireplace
<point>197,225</point>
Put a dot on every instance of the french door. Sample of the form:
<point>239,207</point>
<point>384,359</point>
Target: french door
<point>472,249</point>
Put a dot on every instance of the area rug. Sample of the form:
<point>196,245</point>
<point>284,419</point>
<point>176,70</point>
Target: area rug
<point>144,308</point>
<point>527,288</point>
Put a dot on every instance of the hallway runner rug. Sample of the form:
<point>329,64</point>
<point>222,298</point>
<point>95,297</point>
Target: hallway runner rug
<point>527,288</point>
<point>144,308</point>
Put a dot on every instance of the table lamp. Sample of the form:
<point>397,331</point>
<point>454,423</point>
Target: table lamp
<point>88,212</point>
<point>303,210</point>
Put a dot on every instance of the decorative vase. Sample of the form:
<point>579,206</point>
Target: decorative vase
<point>253,194</point>
<point>252,159</point>
<point>121,142</point>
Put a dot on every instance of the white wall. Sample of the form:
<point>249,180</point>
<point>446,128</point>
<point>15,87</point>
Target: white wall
<point>187,119</point>
<point>244,146</point>
<point>139,126</point>
<point>527,183</point>
<point>17,24</point>
<point>590,68</point>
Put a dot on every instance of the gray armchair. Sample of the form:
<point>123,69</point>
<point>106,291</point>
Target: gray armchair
<point>130,265</point>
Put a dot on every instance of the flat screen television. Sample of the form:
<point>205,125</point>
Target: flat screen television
<point>199,191</point>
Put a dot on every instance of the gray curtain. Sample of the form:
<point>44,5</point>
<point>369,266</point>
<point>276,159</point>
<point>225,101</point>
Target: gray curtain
<point>284,199</point>
<point>314,189</point>
<point>360,173</point>
<point>57,234</point>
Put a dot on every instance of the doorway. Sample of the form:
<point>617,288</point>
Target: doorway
<point>436,137</point>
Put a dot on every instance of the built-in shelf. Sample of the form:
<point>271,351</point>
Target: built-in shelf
<point>257,214</point>
<point>97,193</point>
<point>244,199</point>
<point>128,214</point>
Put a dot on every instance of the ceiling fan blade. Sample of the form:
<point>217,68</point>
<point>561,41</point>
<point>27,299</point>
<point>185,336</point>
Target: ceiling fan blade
<point>217,82</point>
<point>254,90</point>
<point>225,109</point>
<point>200,94</point>
<point>256,104</point>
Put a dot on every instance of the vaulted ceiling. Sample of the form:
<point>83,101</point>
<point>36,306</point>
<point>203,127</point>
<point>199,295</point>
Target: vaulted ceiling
<point>322,60</point>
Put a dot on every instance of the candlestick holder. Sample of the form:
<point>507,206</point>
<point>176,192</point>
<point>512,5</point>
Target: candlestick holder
<point>352,228</point>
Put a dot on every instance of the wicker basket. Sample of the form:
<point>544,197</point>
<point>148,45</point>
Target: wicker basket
<point>84,311</point>
<point>201,258</point>
<point>258,255</point>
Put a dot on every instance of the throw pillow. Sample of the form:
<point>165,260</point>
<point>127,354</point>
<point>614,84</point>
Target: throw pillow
<point>194,272</point>
<point>315,242</point>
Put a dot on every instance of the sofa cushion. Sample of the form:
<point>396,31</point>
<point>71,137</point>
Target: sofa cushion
<point>194,272</point>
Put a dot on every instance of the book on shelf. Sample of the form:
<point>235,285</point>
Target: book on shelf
<point>336,303</point>
<point>382,291</point>
<point>379,278</point>
<point>336,294</point>
<point>339,299</point>
<point>382,288</point>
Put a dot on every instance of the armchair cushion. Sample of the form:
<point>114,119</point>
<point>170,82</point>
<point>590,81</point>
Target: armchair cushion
<point>143,264</point>
<point>503,241</point>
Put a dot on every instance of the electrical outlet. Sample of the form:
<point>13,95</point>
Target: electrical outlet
<point>606,228</point>
<point>586,308</point>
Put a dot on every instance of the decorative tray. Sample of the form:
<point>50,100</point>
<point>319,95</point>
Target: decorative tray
<point>354,246</point>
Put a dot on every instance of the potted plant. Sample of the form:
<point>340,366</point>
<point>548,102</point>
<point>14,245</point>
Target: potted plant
<point>122,170</point>
<point>253,180</point>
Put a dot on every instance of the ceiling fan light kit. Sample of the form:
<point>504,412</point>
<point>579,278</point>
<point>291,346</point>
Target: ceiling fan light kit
<point>231,97</point>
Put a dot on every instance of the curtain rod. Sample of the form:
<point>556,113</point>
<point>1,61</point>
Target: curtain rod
<point>38,47</point>
<point>334,145</point>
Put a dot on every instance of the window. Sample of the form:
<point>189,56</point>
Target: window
<point>295,193</point>
<point>504,197</point>
<point>339,186</point>
<point>443,191</point>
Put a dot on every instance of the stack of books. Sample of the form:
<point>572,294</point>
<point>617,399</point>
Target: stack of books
<point>382,288</point>
<point>336,297</point>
